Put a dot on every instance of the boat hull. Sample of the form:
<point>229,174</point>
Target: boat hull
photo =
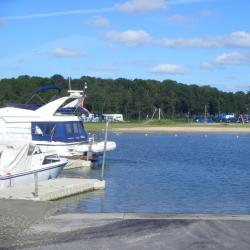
<point>46,173</point>
<point>77,150</point>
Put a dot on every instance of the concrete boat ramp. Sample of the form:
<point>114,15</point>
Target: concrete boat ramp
<point>52,189</point>
<point>40,225</point>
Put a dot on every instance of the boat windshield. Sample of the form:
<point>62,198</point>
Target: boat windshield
<point>72,131</point>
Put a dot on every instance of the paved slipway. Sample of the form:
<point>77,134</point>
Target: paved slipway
<point>39,225</point>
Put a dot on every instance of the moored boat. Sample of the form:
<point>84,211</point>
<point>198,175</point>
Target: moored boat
<point>21,160</point>
<point>53,126</point>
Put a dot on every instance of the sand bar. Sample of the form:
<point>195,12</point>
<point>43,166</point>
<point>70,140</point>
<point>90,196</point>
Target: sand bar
<point>175,129</point>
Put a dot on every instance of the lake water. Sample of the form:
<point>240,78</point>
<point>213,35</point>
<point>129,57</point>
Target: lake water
<point>168,173</point>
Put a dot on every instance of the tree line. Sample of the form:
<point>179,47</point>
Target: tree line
<point>133,98</point>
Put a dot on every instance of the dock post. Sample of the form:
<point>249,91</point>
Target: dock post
<point>36,184</point>
<point>105,148</point>
<point>89,153</point>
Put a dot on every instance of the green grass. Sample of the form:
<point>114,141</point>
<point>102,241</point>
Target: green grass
<point>91,126</point>
<point>98,126</point>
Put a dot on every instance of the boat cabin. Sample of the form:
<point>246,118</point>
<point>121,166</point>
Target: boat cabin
<point>70,131</point>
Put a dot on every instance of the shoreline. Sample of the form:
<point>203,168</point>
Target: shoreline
<point>175,129</point>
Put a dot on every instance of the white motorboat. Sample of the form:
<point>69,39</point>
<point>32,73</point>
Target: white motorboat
<point>21,160</point>
<point>53,126</point>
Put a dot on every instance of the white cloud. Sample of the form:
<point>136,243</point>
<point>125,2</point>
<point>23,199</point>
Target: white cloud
<point>184,19</point>
<point>209,65</point>
<point>169,69</point>
<point>99,22</point>
<point>178,2</point>
<point>239,39</point>
<point>129,37</point>
<point>62,52</point>
<point>178,18</point>
<point>129,6</point>
<point>190,42</point>
<point>60,13</point>
<point>133,6</point>
<point>234,58</point>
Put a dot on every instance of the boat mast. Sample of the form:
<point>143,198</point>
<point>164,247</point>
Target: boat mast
<point>69,84</point>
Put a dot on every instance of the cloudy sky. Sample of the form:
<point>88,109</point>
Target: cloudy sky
<point>204,42</point>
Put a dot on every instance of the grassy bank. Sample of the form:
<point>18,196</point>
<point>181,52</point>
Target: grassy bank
<point>97,126</point>
<point>91,127</point>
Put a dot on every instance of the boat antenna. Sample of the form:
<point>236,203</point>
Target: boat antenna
<point>69,84</point>
<point>85,88</point>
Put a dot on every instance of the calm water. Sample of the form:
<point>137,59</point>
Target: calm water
<point>172,174</point>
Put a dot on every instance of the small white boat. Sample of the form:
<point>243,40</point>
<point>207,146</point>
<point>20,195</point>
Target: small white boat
<point>98,147</point>
<point>21,160</point>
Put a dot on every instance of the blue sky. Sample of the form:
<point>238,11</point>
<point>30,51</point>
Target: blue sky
<point>203,42</point>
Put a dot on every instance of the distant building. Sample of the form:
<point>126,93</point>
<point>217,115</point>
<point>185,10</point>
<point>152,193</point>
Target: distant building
<point>91,118</point>
<point>113,117</point>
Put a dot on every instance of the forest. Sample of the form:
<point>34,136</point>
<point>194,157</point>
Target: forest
<point>135,99</point>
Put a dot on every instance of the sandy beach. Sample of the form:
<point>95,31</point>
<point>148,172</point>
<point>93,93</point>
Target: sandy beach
<point>195,129</point>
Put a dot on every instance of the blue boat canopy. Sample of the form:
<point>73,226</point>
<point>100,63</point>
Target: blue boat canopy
<point>47,87</point>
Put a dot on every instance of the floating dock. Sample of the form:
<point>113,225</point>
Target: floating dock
<point>52,189</point>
